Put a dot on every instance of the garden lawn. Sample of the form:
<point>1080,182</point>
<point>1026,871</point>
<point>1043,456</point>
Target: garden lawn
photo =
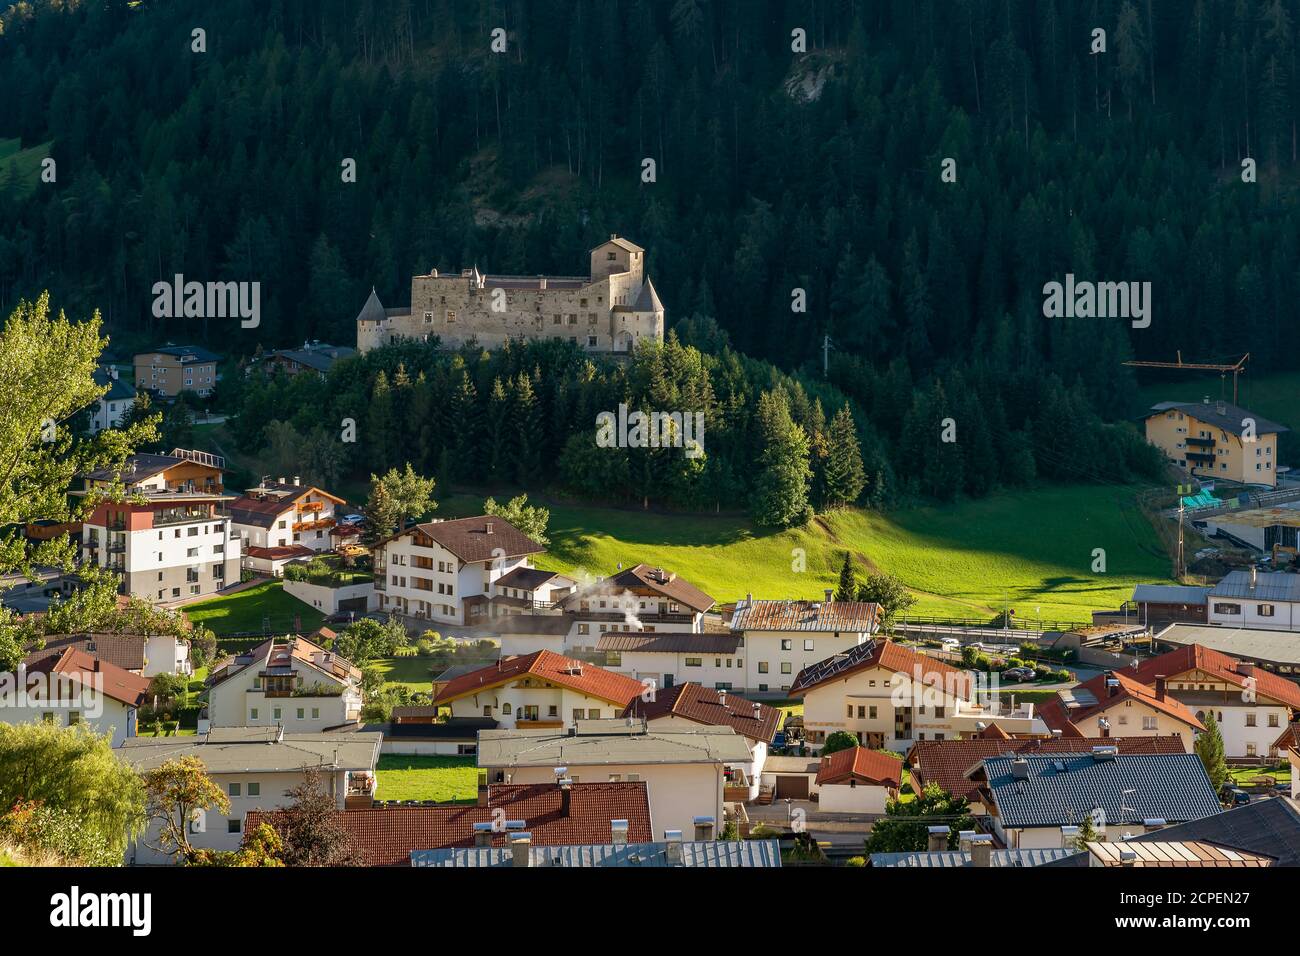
<point>410,672</point>
<point>444,779</point>
<point>1034,549</point>
<point>245,610</point>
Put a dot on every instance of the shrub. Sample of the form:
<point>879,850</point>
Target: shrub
<point>856,861</point>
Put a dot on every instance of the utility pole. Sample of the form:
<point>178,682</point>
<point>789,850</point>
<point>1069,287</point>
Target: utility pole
<point>1178,567</point>
<point>826,355</point>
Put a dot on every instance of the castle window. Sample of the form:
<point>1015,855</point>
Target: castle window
<point>428,317</point>
<point>591,318</point>
<point>583,303</point>
<point>555,319</point>
<point>591,341</point>
<point>611,256</point>
<point>451,316</point>
<point>573,319</point>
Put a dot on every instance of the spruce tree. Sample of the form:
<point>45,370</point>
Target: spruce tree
<point>1209,747</point>
<point>848,589</point>
<point>780,496</point>
<point>845,476</point>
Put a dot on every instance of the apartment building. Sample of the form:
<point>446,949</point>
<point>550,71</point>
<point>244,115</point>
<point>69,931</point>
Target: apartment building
<point>285,682</point>
<point>1216,440</point>
<point>178,541</point>
<point>173,369</point>
<point>444,571</point>
<point>282,520</point>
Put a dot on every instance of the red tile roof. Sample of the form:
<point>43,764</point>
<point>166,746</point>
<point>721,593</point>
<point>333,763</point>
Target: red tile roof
<point>470,540</point>
<point>279,553</point>
<point>1223,666</point>
<point>1070,721</point>
<point>704,706</point>
<point>106,678</point>
<point>853,616</point>
<point>946,762</point>
<point>860,763</point>
<point>122,650</point>
<point>661,581</point>
<point>387,836</point>
<point>551,667</point>
<point>890,656</point>
<point>1289,740</point>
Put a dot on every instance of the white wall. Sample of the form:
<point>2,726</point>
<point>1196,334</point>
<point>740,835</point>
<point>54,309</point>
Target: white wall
<point>326,599</point>
<point>1285,615</point>
<point>164,654</point>
<point>841,798</point>
<point>806,648</point>
<point>116,720</point>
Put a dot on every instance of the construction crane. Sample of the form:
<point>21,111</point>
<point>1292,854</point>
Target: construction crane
<point>1236,368</point>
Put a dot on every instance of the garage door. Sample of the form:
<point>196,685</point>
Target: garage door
<point>794,786</point>
<point>352,604</point>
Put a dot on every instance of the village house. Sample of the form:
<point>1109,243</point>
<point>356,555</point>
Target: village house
<point>444,571</point>
<point>255,767</point>
<point>1039,800</point>
<point>72,687</point>
<point>858,780</point>
<point>1116,704</point>
<point>683,768</point>
<point>525,590</point>
<point>888,696</point>
<point>609,310</point>
<point>1251,705</point>
<point>145,656</point>
<point>284,682</point>
<point>551,814</point>
<point>539,690</point>
<point>111,408</point>
<point>173,369</point>
<point>1216,440</point>
<point>947,763</point>
<point>1248,599</point>
<point>782,638</point>
<point>315,356</point>
<point>283,521</point>
<point>709,659</point>
<point>684,705</point>
<point>640,600</point>
<point>178,542</point>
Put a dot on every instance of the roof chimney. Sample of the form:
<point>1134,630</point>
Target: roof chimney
<point>618,832</point>
<point>1152,824</point>
<point>482,834</point>
<point>1160,687</point>
<point>1020,768</point>
<point>964,839</point>
<point>1069,835</point>
<point>488,527</point>
<point>1128,857</point>
<point>673,849</point>
<point>937,839</point>
<point>703,829</point>
<point>1112,685</point>
<point>521,849</point>
<point>722,696</point>
<point>1246,668</point>
<point>981,850</point>
<point>1254,577</point>
<point>830,593</point>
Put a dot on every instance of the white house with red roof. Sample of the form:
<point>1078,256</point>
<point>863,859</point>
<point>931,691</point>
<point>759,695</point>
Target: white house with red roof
<point>858,780</point>
<point>888,696</point>
<point>284,682</point>
<point>74,687</point>
<point>1115,704</point>
<point>1252,706</point>
<point>782,638</point>
<point>539,690</point>
<point>283,521</point>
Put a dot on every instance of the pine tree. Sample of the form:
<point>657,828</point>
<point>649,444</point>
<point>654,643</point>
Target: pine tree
<point>1209,747</point>
<point>845,476</point>
<point>848,589</point>
<point>780,496</point>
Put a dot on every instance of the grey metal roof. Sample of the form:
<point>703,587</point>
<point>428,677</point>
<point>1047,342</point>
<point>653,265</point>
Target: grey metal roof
<point>186,353</point>
<point>373,310</point>
<point>551,748</point>
<point>1229,419</point>
<point>1169,594</point>
<point>816,616</point>
<point>1269,586</point>
<point>1269,826</point>
<point>1062,788</point>
<point>712,853</point>
<point>1253,644</point>
<point>255,750</point>
<point>944,859</point>
<point>683,642</point>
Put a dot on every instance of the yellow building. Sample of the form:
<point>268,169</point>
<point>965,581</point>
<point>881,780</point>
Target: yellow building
<point>1216,440</point>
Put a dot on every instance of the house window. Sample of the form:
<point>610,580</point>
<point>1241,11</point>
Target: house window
<point>577,713</point>
<point>786,667</point>
<point>1265,610</point>
<point>1250,750</point>
<point>451,316</point>
<point>505,709</point>
<point>584,628</point>
<point>871,711</point>
<point>277,713</point>
<point>254,789</point>
<point>252,713</point>
<point>301,713</point>
<point>1272,720</point>
<point>1221,608</point>
<point>762,667</point>
<point>1250,720</point>
<point>807,644</point>
<point>232,826</point>
<point>234,789</point>
<point>1148,723</point>
<point>938,712</point>
<point>694,662</point>
<point>787,644</point>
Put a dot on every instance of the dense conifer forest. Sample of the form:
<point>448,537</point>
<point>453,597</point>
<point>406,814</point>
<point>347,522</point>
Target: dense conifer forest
<point>775,171</point>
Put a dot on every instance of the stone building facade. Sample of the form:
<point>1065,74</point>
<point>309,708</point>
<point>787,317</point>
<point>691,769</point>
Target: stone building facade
<point>609,310</point>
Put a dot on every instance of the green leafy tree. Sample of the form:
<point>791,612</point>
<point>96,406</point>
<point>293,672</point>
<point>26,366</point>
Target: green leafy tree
<point>1087,832</point>
<point>178,791</point>
<point>530,519</point>
<point>905,826</point>
<point>1209,747</point>
<point>367,639</point>
<point>73,769</point>
<point>838,740</point>
<point>889,593</point>
<point>309,828</point>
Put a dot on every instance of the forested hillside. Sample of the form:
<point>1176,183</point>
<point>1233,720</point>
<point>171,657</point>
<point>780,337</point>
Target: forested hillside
<point>775,171</point>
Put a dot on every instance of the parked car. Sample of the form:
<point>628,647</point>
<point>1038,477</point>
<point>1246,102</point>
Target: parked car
<point>1234,795</point>
<point>353,519</point>
<point>1016,674</point>
<point>950,644</point>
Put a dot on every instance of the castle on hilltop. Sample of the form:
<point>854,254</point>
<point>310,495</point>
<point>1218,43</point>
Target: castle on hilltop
<point>609,310</point>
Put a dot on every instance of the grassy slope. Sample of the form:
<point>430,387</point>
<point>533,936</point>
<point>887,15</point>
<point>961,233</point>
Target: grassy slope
<point>244,610</point>
<point>959,559</point>
<point>26,163</point>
